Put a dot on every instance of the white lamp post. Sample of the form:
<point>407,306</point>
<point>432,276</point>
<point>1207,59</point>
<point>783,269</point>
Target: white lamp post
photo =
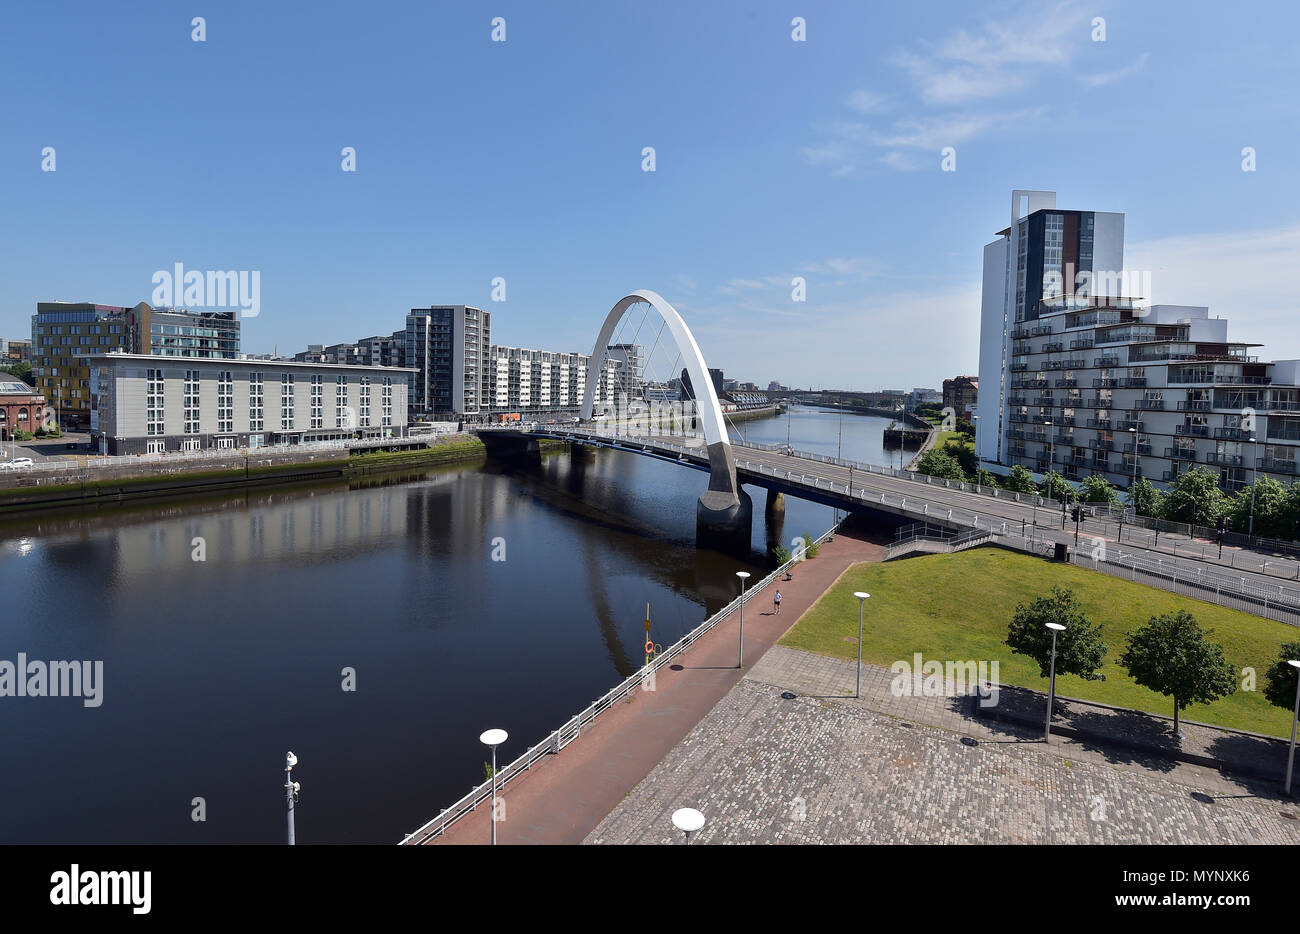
<point>1051,691</point>
<point>688,820</point>
<point>1290,759</point>
<point>291,789</point>
<point>744,576</point>
<point>494,738</point>
<point>862,599</point>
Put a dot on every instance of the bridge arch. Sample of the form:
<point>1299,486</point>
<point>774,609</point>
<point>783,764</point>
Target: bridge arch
<point>724,504</point>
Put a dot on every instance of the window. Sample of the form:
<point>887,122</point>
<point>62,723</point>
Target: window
<point>341,409</point>
<point>387,410</point>
<point>191,404</point>
<point>153,400</point>
<point>225,402</point>
<point>256,401</point>
<point>317,394</point>
<point>155,447</point>
<point>286,401</point>
<point>190,444</point>
<point>365,402</point>
<point>225,442</point>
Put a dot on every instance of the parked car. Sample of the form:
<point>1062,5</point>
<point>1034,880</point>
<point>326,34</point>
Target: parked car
<point>17,463</point>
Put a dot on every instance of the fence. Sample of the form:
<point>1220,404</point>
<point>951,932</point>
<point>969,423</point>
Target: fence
<point>572,729</point>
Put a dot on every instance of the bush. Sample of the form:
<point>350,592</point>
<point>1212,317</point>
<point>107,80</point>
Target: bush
<point>1020,480</point>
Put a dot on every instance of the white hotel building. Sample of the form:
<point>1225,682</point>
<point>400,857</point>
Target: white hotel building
<point>1102,383</point>
<point>143,404</point>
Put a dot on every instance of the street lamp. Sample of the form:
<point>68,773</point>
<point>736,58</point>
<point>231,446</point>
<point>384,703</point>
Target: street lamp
<point>1051,691</point>
<point>291,789</point>
<point>1254,481</point>
<point>744,576</point>
<point>493,738</point>
<point>1290,759</point>
<point>862,599</point>
<point>688,820</point>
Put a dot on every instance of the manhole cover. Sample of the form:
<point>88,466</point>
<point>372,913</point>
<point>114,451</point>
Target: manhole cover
<point>787,695</point>
<point>676,668</point>
<point>968,741</point>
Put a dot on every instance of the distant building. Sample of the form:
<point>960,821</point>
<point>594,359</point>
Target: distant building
<point>16,351</point>
<point>144,404</point>
<point>961,393</point>
<point>536,382</point>
<point>449,347</point>
<point>774,386</point>
<point>382,350</point>
<point>922,396</point>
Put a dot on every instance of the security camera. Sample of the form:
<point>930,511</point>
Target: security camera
<point>290,760</point>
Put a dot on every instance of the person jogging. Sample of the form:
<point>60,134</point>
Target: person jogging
<point>776,602</point>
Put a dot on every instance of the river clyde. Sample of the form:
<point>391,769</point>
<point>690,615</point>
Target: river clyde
<point>212,669</point>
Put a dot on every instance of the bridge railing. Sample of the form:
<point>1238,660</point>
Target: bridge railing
<point>572,728</point>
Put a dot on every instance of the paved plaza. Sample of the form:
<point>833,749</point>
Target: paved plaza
<point>824,768</point>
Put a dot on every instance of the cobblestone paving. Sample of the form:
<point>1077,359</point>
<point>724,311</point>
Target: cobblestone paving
<point>764,769</point>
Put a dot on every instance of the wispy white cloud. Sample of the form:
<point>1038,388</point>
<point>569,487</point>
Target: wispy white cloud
<point>1242,276</point>
<point>1110,77</point>
<point>864,101</point>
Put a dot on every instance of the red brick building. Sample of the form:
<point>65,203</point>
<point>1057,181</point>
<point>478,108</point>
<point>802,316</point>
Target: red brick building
<point>961,393</point>
<point>22,408</point>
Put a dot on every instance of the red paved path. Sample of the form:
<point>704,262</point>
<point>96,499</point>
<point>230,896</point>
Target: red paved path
<point>563,797</point>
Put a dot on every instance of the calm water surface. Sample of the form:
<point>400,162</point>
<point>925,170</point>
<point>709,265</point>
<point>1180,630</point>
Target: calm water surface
<point>213,669</point>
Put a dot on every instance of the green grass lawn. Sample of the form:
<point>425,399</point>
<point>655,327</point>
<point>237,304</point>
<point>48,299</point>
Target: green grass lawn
<point>957,607</point>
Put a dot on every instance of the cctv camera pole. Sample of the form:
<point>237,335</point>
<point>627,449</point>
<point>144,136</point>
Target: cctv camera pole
<point>290,791</point>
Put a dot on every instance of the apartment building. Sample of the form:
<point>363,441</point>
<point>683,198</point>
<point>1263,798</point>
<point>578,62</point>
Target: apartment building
<point>449,347</point>
<point>145,404</point>
<point>536,382</point>
<point>1089,383</point>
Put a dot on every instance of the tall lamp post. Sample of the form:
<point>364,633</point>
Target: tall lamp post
<point>291,789</point>
<point>1290,759</point>
<point>1051,690</point>
<point>493,738</point>
<point>1254,481</point>
<point>862,599</point>
<point>688,820</point>
<point>744,576</point>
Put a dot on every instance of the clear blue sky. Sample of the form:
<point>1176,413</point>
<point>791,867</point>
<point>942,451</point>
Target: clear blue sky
<point>523,159</point>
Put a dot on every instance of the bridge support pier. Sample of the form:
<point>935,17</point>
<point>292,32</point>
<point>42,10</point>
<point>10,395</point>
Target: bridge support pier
<point>724,514</point>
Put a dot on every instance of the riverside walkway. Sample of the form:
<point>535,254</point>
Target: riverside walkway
<point>564,796</point>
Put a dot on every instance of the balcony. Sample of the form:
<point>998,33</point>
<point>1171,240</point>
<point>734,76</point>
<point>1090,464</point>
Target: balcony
<point>1040,330</point>
<point>1077,460</point>
<point>1099,423</point>
<point>1101,444</point>
<point>1170,476</point>
<point>1232,434</point>
<point>1107,383</point>
<point>1133,382</point>
<point>1273,465</point>
<point>1150,404</point>
<point>1019,417</point>
<point>1194,405</point>
<point>1243,380</point>
<point>1100,464</point>
<point>1097,402</point>
<point>1064,439</point>
<point>1017,451</point>
<point>1282,405</point>
<point>1084,344</point>
<point>1021,350</point>
<point>1018,367</point>
<point>1019,334</point>
<point>1067,383</point>
<point>1143,448</point>
<point>1053,346</point>
<point>1129,426</point>
<point>1065,421</point>
<point>1043,401</point>
<point>1224,460</point>
<point>1182,454</point>
<point>1105,361</point>
<point>1198,431</point>
<point>1017,400</point>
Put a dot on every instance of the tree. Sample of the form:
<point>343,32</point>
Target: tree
<point>964,456</point>
<point>1020,480</point>
<point>1271,514</point>
<point>1079,648</point>
<point>1279,680</point>
<point>22,370</point>
<point>1097,489</point>
<point>1195,497</point>
<point>1146,499</point>
<point>1055,487</point>
<point>986,478</point>
<point>1173,656</point>
<point>940,464</point>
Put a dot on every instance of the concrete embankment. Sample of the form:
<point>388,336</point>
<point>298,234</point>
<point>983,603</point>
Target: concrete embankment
<point>79,481</point>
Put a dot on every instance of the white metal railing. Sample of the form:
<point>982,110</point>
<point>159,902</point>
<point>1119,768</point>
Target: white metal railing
<point>572,728</point>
